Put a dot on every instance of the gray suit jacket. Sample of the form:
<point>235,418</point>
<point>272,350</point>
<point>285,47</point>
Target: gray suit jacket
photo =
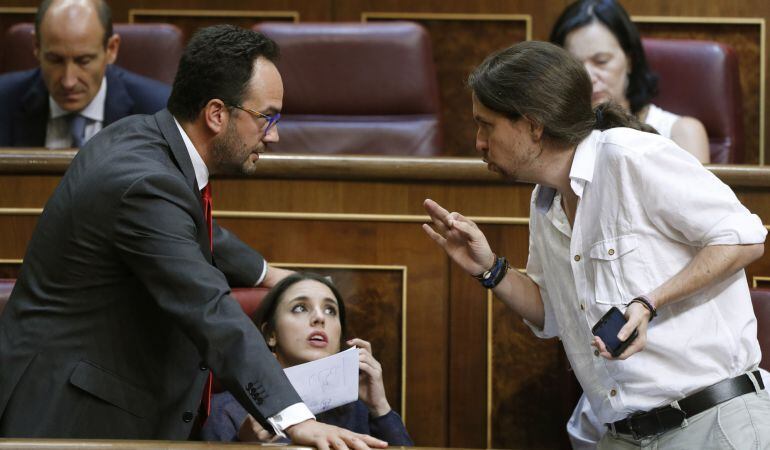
<point>120,308</point>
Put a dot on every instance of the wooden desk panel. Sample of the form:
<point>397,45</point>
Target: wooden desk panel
<point>474,375</point>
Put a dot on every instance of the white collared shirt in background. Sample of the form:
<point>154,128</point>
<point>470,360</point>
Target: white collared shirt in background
<point>646,208</point>
<point>57,133</point>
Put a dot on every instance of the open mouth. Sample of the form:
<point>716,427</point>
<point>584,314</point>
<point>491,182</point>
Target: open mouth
<point>318,339</point>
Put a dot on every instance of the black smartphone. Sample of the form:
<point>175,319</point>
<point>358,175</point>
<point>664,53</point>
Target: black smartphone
<point>608,327</point>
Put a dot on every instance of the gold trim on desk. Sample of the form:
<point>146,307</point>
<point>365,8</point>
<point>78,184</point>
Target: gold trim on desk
<point>526,18</point>
<point>728,21</point>
<point>133,13</point>
<point>18,9</point>
<point>756,279</point>
<point>369,168</point>
<point>404,271</point>
<point>343,217</point>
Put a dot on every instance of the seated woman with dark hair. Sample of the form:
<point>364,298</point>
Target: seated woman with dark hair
<point>303,319</point>
<point>600,34</point>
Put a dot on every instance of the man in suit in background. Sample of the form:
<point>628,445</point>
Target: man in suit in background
<point>123,301</point>
<point>76,91</point>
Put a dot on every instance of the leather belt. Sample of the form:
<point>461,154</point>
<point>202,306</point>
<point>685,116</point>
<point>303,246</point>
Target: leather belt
<point>657,421</point>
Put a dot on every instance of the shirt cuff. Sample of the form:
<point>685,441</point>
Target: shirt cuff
<point>262,275</point>
<point>738,229</point>
<point>292,415</point>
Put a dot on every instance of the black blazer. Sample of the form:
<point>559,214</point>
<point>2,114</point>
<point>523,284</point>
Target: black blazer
<point>24,107</point>
<point>120,307</point>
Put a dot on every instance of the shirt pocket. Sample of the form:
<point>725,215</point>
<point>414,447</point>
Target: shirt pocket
<point>614,262</point>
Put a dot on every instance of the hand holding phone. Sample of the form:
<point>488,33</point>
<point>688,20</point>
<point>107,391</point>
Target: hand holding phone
<point>607,329</point>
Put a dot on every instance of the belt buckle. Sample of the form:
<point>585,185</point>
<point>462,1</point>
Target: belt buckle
<point>630,420</point>
<point>667,414</point>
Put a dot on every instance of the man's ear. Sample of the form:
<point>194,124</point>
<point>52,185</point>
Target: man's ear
<point>111,50</point>
<point>535,129</point>
<point>216,115</point>
<point>36,50</point>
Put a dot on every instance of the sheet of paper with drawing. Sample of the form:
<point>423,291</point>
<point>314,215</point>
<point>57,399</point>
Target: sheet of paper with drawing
<point>327,383</point>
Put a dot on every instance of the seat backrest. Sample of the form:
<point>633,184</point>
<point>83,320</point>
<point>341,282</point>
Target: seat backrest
<point>357,88</point>
<point>149,49</point>
<point>701,79</point>
<point>760,298</point>
<point>248,298</point>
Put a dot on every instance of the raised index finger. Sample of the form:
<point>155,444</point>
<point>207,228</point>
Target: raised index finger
<point>435,211</point>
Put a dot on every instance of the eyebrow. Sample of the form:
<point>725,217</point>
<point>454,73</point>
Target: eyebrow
<point>304,298</point>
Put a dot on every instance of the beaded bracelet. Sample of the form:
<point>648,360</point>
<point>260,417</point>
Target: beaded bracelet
<point>492,277</point>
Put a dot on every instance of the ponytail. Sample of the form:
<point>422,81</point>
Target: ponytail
<point>611,115</point>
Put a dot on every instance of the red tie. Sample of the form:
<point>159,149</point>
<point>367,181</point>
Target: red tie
<point>206,400</point>
<point>206,196</point>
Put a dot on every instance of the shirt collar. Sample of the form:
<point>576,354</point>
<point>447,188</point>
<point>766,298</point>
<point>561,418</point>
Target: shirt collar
<point>201,171</point>
<point>581,172</point>
<point>94,110</point>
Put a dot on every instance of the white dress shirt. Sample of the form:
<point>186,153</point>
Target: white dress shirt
<point>57,133</point>
<point>646,207</point>
<point>297,412</point>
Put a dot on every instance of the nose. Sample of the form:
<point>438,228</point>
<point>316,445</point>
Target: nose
<point>317,317</point>
<point>481,142</point>
<point>591,72</point>
<point>69,80</point>
<point>272,135</point>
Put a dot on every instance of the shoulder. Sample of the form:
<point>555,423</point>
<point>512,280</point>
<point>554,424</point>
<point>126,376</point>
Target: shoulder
<point>690,134</point>
<point>17,83</point>
<point>149,93</point>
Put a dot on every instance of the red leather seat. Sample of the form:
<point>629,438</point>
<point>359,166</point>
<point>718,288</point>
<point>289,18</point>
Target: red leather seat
<point>701,79</point>
<point>357,88</point>
<point>760,298</point>
<point>248,298</point>
<point>149,49</point>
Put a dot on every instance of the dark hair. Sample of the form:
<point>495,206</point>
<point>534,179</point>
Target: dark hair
<point>547,85</point>
<point>103,11</point>
<point>264,316</point>
<point>642,82</point>
<point>217,63</point>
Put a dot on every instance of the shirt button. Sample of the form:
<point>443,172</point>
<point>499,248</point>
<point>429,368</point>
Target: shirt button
<point>613,393</point>
<point>187,416</point>
<point>596,352</point>
<point>203,366</point>
<point>582,307</point>
<point>577,257</point>
<point>611,251</point>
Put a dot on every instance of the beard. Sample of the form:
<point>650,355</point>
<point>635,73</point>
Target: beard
<point>231,155</point>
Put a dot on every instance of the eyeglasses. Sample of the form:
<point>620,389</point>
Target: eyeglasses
<point>271,120</point>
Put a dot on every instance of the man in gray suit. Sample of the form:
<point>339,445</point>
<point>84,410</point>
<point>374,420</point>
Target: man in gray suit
<point>121,306</point>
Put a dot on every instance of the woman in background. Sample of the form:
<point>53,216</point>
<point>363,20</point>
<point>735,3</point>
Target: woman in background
<point>303,319</point>
<point>600,34</point>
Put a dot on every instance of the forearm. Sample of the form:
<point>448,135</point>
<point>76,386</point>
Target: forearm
<point>710,265</point>
<point>522,295</point>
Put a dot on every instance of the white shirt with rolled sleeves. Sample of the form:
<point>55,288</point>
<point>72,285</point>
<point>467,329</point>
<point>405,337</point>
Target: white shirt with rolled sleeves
<point>646,208</point>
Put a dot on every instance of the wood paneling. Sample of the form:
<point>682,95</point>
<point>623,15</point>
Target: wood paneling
<point>191,20</point>
<point>459,45</point>
<point>354,212</point>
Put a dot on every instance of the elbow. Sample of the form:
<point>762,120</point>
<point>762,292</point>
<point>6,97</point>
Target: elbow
<point>747,254</point>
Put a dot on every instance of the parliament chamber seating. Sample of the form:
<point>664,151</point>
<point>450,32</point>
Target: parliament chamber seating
<point>248,298</point>
<point>357,88</point>
<point>700,79</point>
<point>149,49</point>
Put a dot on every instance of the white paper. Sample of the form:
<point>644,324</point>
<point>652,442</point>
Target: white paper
<point>327,383</point>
